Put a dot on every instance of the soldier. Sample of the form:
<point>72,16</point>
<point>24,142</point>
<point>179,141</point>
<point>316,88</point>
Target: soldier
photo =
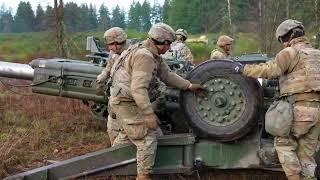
<point>223,50</point>
<point>116,40</point>
<point>180,47</point>
<point>138,68</point>
<point>298,68</point>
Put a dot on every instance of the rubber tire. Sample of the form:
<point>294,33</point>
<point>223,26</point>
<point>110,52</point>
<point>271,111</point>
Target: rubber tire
<point>253,96</point>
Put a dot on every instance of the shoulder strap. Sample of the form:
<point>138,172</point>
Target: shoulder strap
<point>125,55</point>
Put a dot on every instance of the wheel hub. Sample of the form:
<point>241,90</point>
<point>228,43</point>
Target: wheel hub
<point>224,104</point>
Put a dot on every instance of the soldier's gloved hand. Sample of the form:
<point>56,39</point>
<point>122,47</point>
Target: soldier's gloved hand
<point>198,89</point>
<point>194,87</point>
<point>100,89</point>
<point>151,121</point>
<point>238,67</point>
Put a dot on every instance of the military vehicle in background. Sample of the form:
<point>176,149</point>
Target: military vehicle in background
<point>221,131</point>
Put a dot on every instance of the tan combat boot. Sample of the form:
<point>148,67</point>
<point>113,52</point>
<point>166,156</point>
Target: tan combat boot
<point>143,177</point>
<point>294,177</point>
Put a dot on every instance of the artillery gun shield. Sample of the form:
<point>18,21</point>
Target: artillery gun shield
<point>232,106</point>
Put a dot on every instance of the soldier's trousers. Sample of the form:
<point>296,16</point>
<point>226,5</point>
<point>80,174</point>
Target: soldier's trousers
<point>113,129</point>
<point>132,129</point>
<point>296,152</point>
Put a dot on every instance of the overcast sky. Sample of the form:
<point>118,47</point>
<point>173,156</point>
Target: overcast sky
<point>109,3</point>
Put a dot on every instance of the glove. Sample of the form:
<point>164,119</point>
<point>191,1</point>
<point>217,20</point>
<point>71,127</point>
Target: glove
<point>151,121</point>
<point>198,89</point>
<point>195,87</point>
<point>100,89</point>
<point>238,67</point>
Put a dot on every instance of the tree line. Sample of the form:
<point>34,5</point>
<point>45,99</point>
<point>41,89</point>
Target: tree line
<point>196,16</point>
<point>77,18</point>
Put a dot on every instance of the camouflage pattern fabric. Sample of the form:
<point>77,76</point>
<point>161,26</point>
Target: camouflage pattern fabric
<point>182,51</point>
<point>130,99</point>
<point>286,26</point>
<point>219,53</point>
<point>296,152</point>
<point>105,74</point>
<point>132,80</point>
<point>115,34</point>
<point>133,130</point>
<point>113,129</point>
<point>162,32</point>
<point>224,40</point>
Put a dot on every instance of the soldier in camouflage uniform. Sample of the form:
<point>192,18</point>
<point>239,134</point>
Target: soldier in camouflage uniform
<point>180,47</point>
<point>139,67</point>
<point>298,68</point>
<point>223,50</point>
<point>116,40</point>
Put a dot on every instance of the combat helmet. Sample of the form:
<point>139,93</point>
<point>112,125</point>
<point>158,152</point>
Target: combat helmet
<point>286,26</point>
<point>115,34</point>
<point>223,40</point>
<point>162,33</point>
<point>182,32</point>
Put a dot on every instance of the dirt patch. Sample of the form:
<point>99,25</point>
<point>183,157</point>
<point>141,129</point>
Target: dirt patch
<point>38,129</point>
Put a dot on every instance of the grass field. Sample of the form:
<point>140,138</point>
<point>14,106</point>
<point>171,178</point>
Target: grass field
<point>23,47</point>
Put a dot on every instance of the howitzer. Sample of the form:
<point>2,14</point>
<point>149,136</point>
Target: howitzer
<point>64,77</point>
<point>57,77</point>
<point>221,131</point>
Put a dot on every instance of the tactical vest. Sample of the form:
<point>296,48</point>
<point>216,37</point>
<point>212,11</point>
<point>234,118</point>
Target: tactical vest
<point>219,53</point>
<point>177,46</point>
<point>121,84</point>
<point>305,76</point>
<point>175,51</point>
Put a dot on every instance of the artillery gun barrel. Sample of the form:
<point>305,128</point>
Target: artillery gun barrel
<point>16,70</point>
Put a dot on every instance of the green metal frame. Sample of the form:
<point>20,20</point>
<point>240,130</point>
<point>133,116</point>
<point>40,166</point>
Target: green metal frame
<point>179,153</point>
<point>174,155</point>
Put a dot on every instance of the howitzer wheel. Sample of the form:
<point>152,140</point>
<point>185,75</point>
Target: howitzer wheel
<point>232,105</point>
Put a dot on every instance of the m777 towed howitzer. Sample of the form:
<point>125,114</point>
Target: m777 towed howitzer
<point>221,131</point>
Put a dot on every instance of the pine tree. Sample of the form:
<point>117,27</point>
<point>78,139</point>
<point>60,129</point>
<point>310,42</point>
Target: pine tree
<point>84,17</point>
<point>6,21</point>
<point>24,18</point>
<point>145,16</point>
<point>183,15</point>
<point>134,16</point>
<point>72,17</point>
<point>93,21</point>
<point>40,20</point>
<point>165,11</point>
<point>49,18</point>
<point>123,19</point>
<point>104,21</point>
<point>118,17</point>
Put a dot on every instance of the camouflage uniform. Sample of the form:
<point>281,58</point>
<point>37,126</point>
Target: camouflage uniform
<point>179,50</point>
<point>296,152</point>
<point>182,51</point>
<point>221,52</point>
<point>140,66</point>
<point>112,35</point>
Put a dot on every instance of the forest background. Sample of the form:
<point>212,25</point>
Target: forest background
<point>36,130</point>
<point>251,22</point>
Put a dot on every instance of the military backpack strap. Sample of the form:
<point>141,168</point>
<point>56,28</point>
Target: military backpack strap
<point>124,56</point>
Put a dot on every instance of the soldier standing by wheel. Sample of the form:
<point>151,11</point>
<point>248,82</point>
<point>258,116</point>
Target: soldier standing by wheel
<point>223,50</point>
<point>116,40</point>
<point>298,68</point>
<point>139,67</point>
